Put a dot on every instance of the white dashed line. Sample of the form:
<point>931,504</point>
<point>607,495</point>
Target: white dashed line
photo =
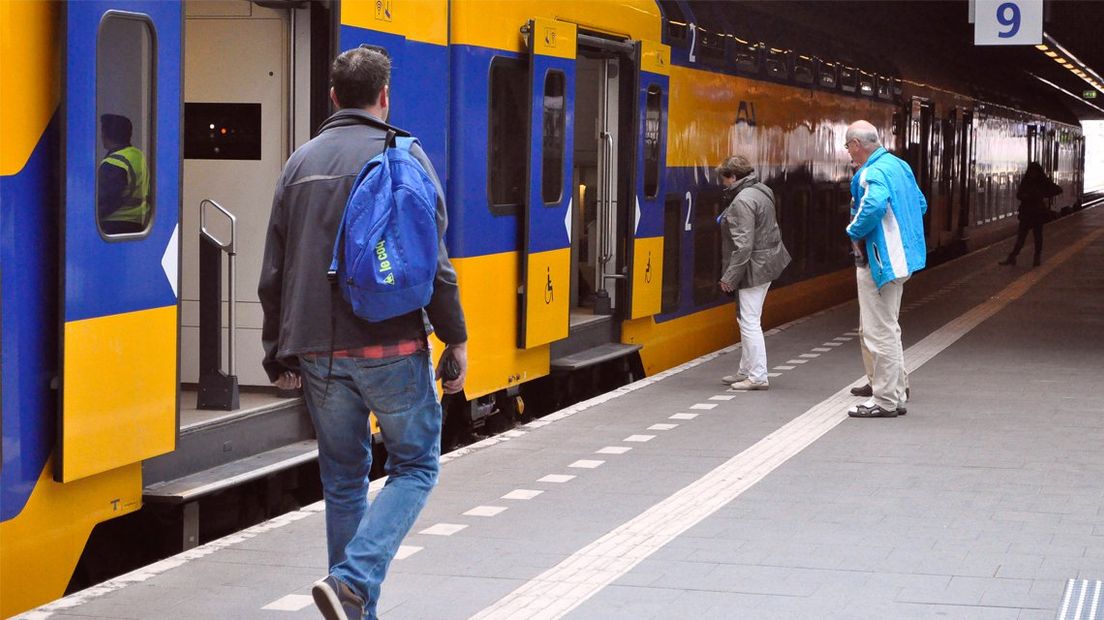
<point>556,478</point>
<point>797,361</point>
<point>291,602</point>
<point>522,494</point>
<point>662,427</point>
<point>783,367</point>
<point>810,355</point>
<point>706,406</point>
<point>485,511</point>
<point>843,339</point>
<point>832,344</point>
<point>639,438</point>
<point>683,416</point>
<point>406,551</point>
<point>614,450</point>
<point>514,434</point>
<point>586,464</point>
<point>822,349</point>
<point>722,397</point>
<point>774,374</point>
<point>443,529</point>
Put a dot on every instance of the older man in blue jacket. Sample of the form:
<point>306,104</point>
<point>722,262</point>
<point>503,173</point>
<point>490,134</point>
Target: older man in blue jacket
<point>887,229</point>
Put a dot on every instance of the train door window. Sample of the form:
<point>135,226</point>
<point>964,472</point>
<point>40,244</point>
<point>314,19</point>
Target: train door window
<point>672,252</point>
<point>883,87</point>
<point>509,106</point>
<point>804,71</point>
<point>553,138</point>
<point>653,126</point>
<point>125,101</point>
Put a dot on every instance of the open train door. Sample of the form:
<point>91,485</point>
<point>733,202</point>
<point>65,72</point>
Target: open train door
<point>645,250</point>
<point>545,293</point>
<point>119,224</point>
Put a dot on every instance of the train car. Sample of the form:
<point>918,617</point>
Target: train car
<point>576,141</point>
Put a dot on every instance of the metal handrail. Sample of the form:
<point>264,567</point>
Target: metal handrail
<point>231,249</point>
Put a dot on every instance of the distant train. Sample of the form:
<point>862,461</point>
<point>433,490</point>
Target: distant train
<point>577,141</point>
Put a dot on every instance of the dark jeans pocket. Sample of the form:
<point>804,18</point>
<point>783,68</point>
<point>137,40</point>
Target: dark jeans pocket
<point>391,387</point>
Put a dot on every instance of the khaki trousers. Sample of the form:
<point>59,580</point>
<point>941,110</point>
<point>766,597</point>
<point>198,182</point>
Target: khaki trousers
<point>879,311</point>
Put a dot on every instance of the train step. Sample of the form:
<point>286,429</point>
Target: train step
<point>186,491</point>
<point>209,439</point>
<point>593,356</point>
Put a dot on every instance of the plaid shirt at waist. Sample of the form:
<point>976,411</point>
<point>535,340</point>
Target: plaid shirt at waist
<point>380,351</point>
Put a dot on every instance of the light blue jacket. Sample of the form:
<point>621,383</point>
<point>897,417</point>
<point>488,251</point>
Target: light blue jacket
<point>887,213</point>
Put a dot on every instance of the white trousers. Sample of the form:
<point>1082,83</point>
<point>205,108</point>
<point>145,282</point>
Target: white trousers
<point>879,311</point>
<point>753,357</point>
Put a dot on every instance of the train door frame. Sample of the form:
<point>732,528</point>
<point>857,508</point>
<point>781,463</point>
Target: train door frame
<point>119,299</point>
<point>965,169</point>
<point>921,115</point>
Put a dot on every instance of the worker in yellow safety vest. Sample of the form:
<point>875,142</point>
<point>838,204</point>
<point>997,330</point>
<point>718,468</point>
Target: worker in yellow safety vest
<point>123,192</point>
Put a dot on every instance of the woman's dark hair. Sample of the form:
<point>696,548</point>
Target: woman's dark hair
<point>359,75</point>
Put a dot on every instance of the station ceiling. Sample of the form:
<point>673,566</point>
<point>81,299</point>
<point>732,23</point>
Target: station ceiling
<point>932,41</point>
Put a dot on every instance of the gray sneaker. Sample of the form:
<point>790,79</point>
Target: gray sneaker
<point>747,385</point>
<point>336,600</point>
<point>736,378</point>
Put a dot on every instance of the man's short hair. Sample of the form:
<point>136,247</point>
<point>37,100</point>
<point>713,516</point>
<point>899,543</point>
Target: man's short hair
<point>116,128</point>
<point>358,76</point>
<point>864,132</point>
<point>735,167</point>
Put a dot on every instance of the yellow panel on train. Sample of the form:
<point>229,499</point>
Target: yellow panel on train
<point>28,59</point>
<point>647,276</point>
<point>425,21</point>
<point>120,391</point>
<point>495,24</point>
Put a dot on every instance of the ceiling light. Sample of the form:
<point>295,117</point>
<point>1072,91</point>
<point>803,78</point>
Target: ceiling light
<point>1060,61</point>
<point>1042,47</point>
<point>1052,54</point>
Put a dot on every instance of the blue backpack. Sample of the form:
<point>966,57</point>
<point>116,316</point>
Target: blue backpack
<point>385,254</point>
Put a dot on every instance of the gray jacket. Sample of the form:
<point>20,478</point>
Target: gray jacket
<point>303,312</point>
<point>751,244</point>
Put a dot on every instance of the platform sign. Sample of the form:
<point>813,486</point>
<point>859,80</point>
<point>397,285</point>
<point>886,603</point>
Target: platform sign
<point>1008,22</point>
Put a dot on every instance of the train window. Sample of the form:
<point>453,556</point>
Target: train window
<point>509,107</point>
<point>827,74</point>
<point>745,56</point>
<point>712,48</point>
<point>866,83</point>
<point>707,245</point>
<point>804,72</point>
<point>553,133</point>
<point>777,66</point>
<point>125,113</point>
<point>672,251</point>
<point>653,126</point>
<point>883,87</point>
<point>848,78</point>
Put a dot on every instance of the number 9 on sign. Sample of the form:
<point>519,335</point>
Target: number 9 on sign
<point>1008,14</point>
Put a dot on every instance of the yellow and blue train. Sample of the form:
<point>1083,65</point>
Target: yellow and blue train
<point>576,139</point>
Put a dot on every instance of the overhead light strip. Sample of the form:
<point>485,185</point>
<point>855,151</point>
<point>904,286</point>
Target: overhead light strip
<point>1062,90</point>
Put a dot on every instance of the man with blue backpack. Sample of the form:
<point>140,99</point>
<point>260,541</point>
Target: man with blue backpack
<point>355,276</point>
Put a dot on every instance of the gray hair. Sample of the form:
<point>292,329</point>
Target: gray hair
<point>736,167</point>
<point>864,132</point>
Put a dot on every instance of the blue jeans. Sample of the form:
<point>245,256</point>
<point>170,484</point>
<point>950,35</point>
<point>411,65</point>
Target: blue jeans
<point>401,392</point>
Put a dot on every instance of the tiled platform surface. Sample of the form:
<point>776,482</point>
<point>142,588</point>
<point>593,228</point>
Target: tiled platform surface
<point>982,502</point>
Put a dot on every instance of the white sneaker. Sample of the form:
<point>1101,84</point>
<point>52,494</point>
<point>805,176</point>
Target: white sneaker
<point>747,385</point>
<point>736,378</point>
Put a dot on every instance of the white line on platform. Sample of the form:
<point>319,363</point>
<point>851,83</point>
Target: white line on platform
<point>406,551</point>
<point>683,416</point>
<point>722,397</point>
<point>774,374</point>
<point>586,464</point>
<point>639,438</point>
<point>570,583</point>
<point>662,427</point>
<point>522,494</point>
<point>443,529</point>
<point>557,478</point>
<point>485,511</point>
<point>810,355</point>
<point>291,602</point>
<point>614,450</point>
<point>705,406</point>
<point>822,349</point>
<point>832,344</point>
<point>797,361</point>
<point>784,367</point>
<point>844,339</point>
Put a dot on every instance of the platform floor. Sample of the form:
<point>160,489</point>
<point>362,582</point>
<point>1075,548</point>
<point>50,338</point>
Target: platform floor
<point>672,498</point>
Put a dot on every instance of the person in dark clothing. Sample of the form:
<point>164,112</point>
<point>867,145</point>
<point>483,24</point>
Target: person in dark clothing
<point>122,187</point>
<point>1035,188</point>
<point>346,365</point>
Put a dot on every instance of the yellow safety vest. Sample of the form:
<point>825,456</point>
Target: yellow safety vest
<point>135,207</point>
